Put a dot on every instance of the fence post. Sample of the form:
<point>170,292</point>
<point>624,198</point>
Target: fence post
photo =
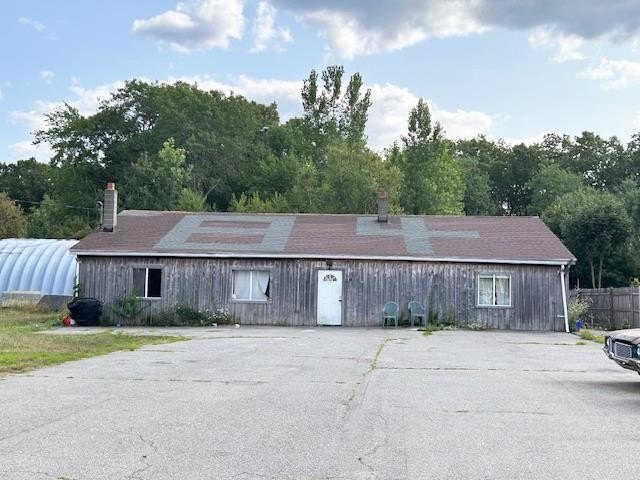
<point>638,323</point>
<point>611,317</point>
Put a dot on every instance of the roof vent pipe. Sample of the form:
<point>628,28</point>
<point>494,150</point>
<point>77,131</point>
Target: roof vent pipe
<point>383,207</point>
<point>110,208</point>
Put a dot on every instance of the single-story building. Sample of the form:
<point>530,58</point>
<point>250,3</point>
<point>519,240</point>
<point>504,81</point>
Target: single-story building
<point>312,269</point>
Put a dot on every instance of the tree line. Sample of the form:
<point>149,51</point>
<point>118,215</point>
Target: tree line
<point>177,147</point>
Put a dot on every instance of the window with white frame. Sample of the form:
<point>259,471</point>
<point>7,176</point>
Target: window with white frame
<point>147,282</point>
<point>494,290</point>
<point>251,285</point>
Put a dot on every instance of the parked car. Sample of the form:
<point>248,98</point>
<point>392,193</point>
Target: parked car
<point>622,346</point>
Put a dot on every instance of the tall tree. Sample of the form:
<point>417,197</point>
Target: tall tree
<point>595,227</point>
<point>550,183</point>
<point>602,162</point>
<point>156,182</point>
<point>26,182</point>
<point>432,182</point>
<point>12,221</point>
<point>222,135</point>
<point>329,113</point>
<point>483,160</point>
<point>55,220</point>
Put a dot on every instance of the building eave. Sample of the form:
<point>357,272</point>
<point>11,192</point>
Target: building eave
<point>295,256</point>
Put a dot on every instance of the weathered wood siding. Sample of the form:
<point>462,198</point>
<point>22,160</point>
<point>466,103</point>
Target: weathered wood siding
<point>448,289</point>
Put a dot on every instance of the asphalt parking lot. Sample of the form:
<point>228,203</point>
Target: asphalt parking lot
<point>327,403</point>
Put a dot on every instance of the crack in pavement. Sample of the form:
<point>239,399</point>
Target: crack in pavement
<point>365,379</point>
<point>372,451</point>
<point>136,474</point>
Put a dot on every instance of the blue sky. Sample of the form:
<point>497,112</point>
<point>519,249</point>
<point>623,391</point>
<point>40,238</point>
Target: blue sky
<point>512,69</point>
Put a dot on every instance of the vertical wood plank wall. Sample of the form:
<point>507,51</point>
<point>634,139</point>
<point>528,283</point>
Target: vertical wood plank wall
<point>450,289</point>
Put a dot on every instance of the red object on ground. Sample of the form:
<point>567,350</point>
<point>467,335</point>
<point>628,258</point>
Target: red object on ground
<point>66,321</point>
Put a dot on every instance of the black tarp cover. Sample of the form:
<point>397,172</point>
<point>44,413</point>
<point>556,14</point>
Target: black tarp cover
<point>85,311</point>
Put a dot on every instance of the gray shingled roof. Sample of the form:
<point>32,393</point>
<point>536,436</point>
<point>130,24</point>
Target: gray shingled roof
<point>437,238</point>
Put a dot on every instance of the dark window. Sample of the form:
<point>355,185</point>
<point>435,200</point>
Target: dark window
<point>147,282</point>
<point>154,284</point>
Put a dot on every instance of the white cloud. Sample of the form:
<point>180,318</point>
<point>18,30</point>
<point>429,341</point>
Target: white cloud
<point>84,99</point>
<point>613,74</point>
<point>351,32</point>
<point>567,45</point>
<point>198,25</point>
<point>1,94</point>
<point>87,100</point>
<point>389,116</point>
<point>530,140</point>
<point>265,31</point>
<point>36,25</point>
<point>286,93</point>
<point>47,75</point>
<point>26,149</point>
<point>34,119</point>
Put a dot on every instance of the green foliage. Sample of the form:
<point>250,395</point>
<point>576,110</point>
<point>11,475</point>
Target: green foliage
<point>350,180</point>
<point>550,183</point>
<point>577,308</point>
<point>593,224</point>
<point>12,221</point>
<point>191,201</point>
<point>53,220</point>
<point>26,181</point>
<point>183,315</point>
<point>330,114</point>
<point>128,307</point>
<point>592,336</point>
<point>477,192</point>
<point>221,136</point>
<point>255,204</point>
<point>156,182</point>
<point>432,181</point>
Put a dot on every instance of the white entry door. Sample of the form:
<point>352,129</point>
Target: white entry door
<point>329,297</point>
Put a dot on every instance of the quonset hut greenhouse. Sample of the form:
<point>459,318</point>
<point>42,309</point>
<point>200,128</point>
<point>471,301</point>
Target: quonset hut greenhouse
<point>37,269</point>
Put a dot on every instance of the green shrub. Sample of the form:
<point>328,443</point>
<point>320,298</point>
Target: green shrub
<point>128,307</point>
<point>577,308</point>
<point>591,335</point>
<point>188,316</point>
<point>183,315</point>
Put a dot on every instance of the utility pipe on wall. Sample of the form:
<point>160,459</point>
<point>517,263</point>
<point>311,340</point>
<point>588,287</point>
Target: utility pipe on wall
<point>564,300</point>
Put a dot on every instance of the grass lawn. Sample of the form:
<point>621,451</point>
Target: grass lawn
<point>593,335</point>
<point>23,348</point>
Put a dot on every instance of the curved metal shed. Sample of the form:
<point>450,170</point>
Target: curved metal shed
<point>37,265</point>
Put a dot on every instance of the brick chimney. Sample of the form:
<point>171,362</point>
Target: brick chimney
<point>110,208</point>
<point>383,207</point>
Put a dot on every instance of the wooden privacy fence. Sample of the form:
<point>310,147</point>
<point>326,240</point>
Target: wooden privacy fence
<point>611,308</point>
